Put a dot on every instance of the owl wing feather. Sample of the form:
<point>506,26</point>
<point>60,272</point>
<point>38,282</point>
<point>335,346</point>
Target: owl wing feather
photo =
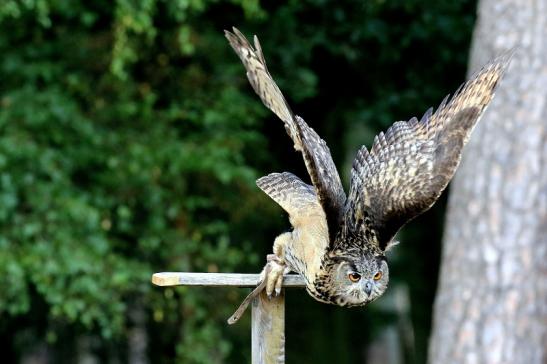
<point>410,165</point>
<point>297,198</point>
<point>317,157</point>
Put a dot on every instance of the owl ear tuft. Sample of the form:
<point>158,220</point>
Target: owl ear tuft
<point>391,244</point>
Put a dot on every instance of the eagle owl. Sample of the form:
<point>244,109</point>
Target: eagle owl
<point>338,243</point>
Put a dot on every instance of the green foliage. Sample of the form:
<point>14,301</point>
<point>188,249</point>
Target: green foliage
<point>130,141</point>
<point>114,166</point>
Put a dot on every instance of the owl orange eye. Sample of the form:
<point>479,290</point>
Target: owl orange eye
<point>354,277</point>
<point>377,276</point>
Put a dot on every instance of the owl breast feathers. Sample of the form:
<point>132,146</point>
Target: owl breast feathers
<point>338,242</point>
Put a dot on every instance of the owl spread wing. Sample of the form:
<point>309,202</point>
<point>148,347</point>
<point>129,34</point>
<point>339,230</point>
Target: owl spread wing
<point>410,165</point>
<point>317,157</point>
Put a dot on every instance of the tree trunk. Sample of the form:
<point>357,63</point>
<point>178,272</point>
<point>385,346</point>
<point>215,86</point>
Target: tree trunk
<point>138,336</point>
<point>491,305</point>
<point>37,354</point>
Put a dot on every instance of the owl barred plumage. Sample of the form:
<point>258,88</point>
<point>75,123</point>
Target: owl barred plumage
<point>316,154</point>
<point>338,244</point>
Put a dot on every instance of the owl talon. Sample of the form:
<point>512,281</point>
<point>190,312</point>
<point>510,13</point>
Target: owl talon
<point>273,258</point>
<point>254,293</point>
<point>279,281</point>
<point>274,278</point>
<point>271,280</point>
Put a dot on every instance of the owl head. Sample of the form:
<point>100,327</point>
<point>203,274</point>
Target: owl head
<point>352,279</point>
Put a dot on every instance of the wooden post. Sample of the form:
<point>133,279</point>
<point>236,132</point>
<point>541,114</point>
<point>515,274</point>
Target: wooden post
<point>268,314</point>
<point>268,329</point>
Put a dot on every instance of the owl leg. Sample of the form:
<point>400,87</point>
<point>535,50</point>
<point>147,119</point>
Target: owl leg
<point>279,281</point>
<point>277,264</point>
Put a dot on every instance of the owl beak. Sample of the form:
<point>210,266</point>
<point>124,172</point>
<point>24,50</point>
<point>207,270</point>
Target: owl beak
<point>368,288</point>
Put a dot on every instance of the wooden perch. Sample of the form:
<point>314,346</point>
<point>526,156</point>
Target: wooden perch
<point>219,279</point>
<point>268,314</point>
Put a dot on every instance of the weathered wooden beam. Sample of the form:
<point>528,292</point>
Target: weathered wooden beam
<point>268,329</point>
<point>218,279</point>
<point>268,314</point>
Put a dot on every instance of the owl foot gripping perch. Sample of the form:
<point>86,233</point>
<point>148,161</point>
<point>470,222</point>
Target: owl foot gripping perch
<point>338,244</point>
<point>270,278</point>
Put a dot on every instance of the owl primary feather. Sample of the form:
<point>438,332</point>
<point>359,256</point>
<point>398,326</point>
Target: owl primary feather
<point>338,242</point>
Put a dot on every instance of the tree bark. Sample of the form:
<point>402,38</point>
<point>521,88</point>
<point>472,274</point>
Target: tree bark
<point>491,305</point>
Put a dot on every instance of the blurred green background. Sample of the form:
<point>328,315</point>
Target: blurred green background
<point>129,144</point>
